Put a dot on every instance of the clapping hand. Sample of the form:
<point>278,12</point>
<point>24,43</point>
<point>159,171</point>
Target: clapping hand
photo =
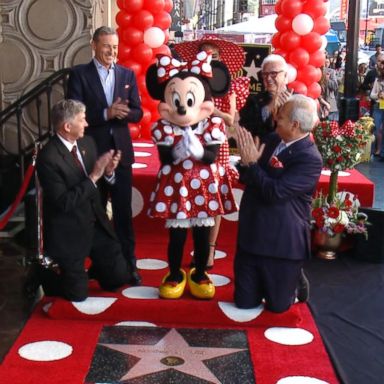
<point>180,151</point>
<point>100,166</point>
<point>250,149</point>
<point>112,165</point>
<point>118,110</point>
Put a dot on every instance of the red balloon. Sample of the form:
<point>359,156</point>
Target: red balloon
<point>124,52</point>
<point>307,74</point>
<point>163,50</point>
<point>142,53</point>
<point>154,5</point>
<point>318,75</point>
<point>131,6</point>
<point>278,7</point>
<point>134,130</point>
<point>298,87</point>
<point>290,40</point>
<point>315,8</point>
<point>132,36</point>
<point>291,8</point>
<point>281,52</point>
<point>298,57</point>
<point>317,58</point>
<point>142,84</point>
<point>311,42</point>
<point>163,20</point>
<point>314,90</point>
<point>123,19</point>
<point>131,64</point>
<point>147,116</point>
<point>283,23</point>
<point>275,41</point>
<point>143,19</point>
<point>168,5</point>
<point>321,25</point>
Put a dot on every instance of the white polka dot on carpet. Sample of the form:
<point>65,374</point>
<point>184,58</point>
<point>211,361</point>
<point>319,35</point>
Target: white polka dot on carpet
<point>141,293</point>
<point>135,324</point>
<point>151,264</point>
<point>288,336</point>
<point>219,280</point>
<point>301,380</point>
<point>45,350</point>
<point>141,154</point>
<point>240,315</point>
<point>94,305</point>
<point>139,165</point>
<point>143,145</point>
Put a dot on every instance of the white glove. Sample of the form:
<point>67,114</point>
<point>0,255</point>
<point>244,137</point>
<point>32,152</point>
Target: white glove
<point>180,152</point>
<point>194,147</point>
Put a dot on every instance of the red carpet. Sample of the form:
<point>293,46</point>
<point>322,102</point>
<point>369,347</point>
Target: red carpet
<point>285,347</point>
<point>75,343</point>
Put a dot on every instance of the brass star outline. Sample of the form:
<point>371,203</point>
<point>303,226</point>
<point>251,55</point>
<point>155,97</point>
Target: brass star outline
<point>174,347</point>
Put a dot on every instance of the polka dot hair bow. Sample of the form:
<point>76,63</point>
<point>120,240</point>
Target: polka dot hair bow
<point>168,67</point>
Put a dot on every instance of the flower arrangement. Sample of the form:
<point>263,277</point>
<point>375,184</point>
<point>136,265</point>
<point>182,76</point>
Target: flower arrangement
<point>341,149</point>
<point>342,216</point>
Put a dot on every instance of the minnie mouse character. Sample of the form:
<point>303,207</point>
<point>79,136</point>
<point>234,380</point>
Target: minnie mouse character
<point>192,187</point>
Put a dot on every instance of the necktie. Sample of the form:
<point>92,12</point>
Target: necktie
<point>76,158</point>
<point>279,148</point>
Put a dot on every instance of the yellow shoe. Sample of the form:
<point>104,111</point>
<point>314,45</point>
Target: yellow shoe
<point>203,290</point>
<point>172,290</point>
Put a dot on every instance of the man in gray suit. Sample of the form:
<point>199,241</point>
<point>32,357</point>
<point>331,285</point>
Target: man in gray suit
<point>280,177</point>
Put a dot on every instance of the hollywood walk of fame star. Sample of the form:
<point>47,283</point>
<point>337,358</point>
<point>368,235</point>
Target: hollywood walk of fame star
<point>172,351</point>
<point>252,70</point>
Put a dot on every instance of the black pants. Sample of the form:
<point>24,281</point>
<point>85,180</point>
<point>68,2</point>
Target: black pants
<point>262,277</point>
<point>121,198</point>
<point>109,268</point>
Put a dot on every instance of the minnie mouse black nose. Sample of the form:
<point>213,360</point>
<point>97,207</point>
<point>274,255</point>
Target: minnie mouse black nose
<point>181,110</point>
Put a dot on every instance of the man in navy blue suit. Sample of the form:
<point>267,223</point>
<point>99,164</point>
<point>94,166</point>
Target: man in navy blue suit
<point>280,177</point>
<point>111,96</point>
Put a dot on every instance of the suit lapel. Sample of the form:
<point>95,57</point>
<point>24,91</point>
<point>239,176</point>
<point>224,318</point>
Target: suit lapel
<point>294,148</point>
<point>94,82</point>
<point>62,150</point>
<point>85,156</point>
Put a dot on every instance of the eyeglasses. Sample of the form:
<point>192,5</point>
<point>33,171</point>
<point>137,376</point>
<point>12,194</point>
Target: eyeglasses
<point>272,74</point>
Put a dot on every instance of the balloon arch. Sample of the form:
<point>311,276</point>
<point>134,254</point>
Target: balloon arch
<point>143,28</point>
<point>301,27</point>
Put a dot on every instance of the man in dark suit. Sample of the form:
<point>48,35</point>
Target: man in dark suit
<point>75,222</point>
<point>280,177</point>
<point>110,94</point>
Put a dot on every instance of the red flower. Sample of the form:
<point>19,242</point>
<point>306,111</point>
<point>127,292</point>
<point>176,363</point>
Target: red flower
<point>338,228</point>
<point>333,212</point>
<point>317,213</point>
<point>337,148</point>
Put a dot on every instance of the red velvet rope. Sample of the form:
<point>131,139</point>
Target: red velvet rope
<point>19,197</point>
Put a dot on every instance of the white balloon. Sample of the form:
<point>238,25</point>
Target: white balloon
<point>291,73</point>
<point>154,37</point>
<point>302,24</point>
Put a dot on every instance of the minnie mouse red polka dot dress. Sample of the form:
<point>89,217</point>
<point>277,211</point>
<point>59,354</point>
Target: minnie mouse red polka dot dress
<point>191,189</point>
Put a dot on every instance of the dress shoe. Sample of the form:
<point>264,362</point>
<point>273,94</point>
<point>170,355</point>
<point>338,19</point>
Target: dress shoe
<point>203,289</point>
<point>172,289</point>
<point>135,279</point>
<point>302,291</point>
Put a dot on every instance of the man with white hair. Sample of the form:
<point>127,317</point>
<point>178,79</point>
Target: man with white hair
<point>259,113</point>
<point>280,176</point>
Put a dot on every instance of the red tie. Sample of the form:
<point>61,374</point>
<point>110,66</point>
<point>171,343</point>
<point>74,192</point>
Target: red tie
<point>76,158</point>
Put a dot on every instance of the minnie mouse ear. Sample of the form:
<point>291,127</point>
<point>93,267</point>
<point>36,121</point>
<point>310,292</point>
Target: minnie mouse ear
<point>155,90</point>
<point>221,79</point>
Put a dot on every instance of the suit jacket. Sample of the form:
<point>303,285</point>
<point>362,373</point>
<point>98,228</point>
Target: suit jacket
<point>71,202</point>
<point>84,84</point>
<point>275,207</point>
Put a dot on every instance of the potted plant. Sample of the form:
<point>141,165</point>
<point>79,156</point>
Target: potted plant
<point>336,213</point>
